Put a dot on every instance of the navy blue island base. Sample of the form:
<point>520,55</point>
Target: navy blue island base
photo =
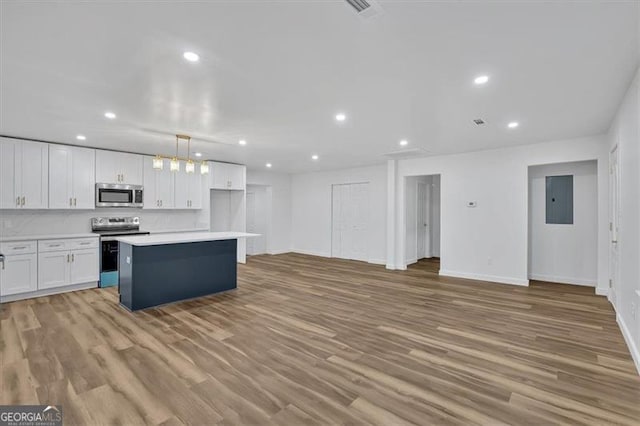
<point>159,274</point>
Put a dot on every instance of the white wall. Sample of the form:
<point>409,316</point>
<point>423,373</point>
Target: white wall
<point>564,253</point>
<point>625,133</point>
<point>311,207</point>
<point>489,242</point>
<point>279,239</point>
<point>261,217</point>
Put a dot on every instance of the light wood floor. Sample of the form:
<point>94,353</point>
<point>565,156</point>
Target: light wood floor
<point>306,340</point>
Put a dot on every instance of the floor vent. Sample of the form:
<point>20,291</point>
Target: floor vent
<point>479,121</point>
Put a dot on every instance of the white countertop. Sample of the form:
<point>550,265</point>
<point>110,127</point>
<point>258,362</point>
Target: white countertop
<point>172,231</point>
<point>4,239</point>
<point>183,237</point>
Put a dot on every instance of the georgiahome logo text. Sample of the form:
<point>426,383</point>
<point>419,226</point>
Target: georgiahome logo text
<point>30,415</point>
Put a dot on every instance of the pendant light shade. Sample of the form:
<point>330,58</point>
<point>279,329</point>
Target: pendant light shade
<point>175,165</point>
<point>158,162</point>
<point>204,168</point>
<point>190,166</point>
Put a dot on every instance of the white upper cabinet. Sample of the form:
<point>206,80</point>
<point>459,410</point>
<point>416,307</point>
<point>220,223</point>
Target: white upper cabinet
<point>71,177</point>
<point>118,167</point>
<point>227,176</point>
<point>188,190</point>
<point>24,174</point>
<point>158,185</point>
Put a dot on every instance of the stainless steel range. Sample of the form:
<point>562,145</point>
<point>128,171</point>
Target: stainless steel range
<point>109,228</point>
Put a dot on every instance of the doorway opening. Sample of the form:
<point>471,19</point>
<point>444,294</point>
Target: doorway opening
<point>563,223</point>
<point>614,223</point>
<point>422,222</point>
<point>258,218</point>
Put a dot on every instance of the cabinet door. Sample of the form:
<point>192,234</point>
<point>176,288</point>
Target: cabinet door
<point>131,168</point>
<point>195,191</point>
<point>181,192</point>
<point>53,269</point>
<point>60,175</point>
<point>19,274</point>
<point>33,169</point>
<point>150,176</point>
<point>107,167</point>
<point>219,175</point>
<point>8,177</point>
<point>165,183</point>
<point>83,178</point>
<point>236,176</point>
<point>84,266</point>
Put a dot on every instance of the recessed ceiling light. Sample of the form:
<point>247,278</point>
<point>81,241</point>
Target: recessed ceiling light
<point>482,79</point>
<point>341,117</point>
<point>81,137</point>
<point>191,57</point>
<point>242,142</point>
<point>314,157</point>
<point>198,154</point>
<point>268,165</point>
<point>513,125</point>
<point>404,142</point>
<point>110,115</point>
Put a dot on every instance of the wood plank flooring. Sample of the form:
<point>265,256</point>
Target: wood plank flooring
<point>307,340</point>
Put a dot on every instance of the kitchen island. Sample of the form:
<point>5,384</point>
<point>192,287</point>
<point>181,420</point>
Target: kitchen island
<point>165,268</point>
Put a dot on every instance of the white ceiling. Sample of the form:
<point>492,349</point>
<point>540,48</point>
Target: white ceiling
<point>276,72</point>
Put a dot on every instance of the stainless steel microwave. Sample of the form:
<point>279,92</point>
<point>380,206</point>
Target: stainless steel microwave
<point>118,195</point>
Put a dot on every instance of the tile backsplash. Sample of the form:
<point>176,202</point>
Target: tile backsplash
<point>36,222</point>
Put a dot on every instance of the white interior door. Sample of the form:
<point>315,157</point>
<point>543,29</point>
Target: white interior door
<point>350,217</point>
<point>614,217</point>
<point>422,217</point>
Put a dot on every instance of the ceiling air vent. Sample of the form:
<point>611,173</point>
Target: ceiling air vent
<point>365,8</point>
<point>479,121</point>
<point>359,5</point>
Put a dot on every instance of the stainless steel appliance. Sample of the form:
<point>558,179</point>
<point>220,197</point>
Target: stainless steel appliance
<point>109,228</point>
<point>118,195</point>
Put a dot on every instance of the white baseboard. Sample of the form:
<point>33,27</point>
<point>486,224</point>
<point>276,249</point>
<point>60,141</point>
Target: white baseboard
<point>48,292</point>
<point>482,277</point>
<point>275,252</point>
<point>378,261</point>
<point>602,291</point>
<point>635,353</point>
<point>411,261</point>
<point>563,280</point>
<point>311,253</point>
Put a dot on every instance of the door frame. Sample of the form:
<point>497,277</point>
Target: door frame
<point>614,223</point>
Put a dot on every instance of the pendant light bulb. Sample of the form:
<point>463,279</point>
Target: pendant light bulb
<point>175,165</point>
<point>158,163</point>
<point>204,168</point>
<point>190,166</point>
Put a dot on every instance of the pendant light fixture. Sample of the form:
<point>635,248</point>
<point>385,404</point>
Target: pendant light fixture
<point>174,164</point>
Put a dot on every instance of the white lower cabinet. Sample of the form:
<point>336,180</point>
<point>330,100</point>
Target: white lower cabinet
<point>53,269</point>
<point>32,266</point>
<point>66,267</point>
<point>84,266</point>
<point>18,274</point>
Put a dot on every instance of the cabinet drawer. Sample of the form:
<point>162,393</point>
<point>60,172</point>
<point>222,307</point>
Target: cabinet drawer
<point>82,243</point>
<point>18,247</point>
<point>52,245</point>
